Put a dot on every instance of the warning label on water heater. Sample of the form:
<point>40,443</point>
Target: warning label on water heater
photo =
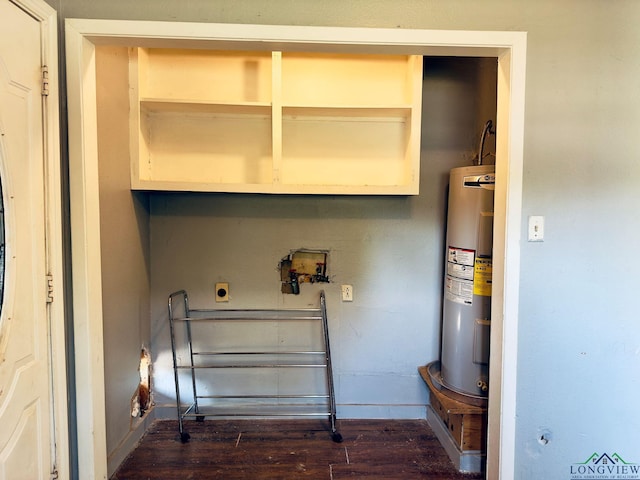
<point>482,277</point>
<point>459,291</point>
<point>460,274</point>
<point>461,256</point>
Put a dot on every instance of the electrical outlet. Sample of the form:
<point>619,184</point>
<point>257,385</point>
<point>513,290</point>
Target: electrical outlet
<point>222,292</point>
<point>347,293</point>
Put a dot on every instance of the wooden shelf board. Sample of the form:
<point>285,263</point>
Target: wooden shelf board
<point>188,106</point>
<point>452,406</point>
<point>274,189</point>
<point>360,112</point>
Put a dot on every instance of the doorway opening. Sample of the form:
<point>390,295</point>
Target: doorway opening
<point>82,38</point>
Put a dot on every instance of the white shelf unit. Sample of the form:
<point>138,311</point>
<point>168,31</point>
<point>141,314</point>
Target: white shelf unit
<point>274,122</point>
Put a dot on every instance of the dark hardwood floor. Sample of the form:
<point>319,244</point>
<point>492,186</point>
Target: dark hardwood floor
<point>266,449</point>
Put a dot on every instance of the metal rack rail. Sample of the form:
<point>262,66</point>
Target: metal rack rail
<point>193,358</point>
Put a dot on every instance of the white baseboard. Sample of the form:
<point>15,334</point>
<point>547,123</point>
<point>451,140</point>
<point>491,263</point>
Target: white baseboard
<point>130,441</point>
<point>382,412</point>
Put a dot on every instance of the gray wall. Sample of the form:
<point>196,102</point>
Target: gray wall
<point>578,366</point>
<point>124,237</point>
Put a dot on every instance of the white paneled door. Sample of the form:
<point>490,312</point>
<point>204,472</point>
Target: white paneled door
<point>27,408</point>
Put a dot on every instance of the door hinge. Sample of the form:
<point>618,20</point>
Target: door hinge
<point>45,80</point>
<point>54,475</point>
<point>49,288</point>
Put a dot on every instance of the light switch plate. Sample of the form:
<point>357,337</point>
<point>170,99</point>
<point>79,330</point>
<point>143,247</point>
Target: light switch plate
<point>536,228</point>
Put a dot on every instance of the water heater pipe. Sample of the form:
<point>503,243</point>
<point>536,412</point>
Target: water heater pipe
<point>487,129</point>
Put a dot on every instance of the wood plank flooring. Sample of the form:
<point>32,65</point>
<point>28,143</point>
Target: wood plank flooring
<point>267,449</point>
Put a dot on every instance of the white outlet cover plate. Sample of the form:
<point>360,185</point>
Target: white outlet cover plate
<point>347,293</point>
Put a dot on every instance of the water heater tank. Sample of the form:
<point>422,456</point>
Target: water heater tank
<point>467,284</point>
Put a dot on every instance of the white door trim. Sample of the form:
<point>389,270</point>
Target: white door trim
<point>81,38</point>
<point>86,260</point>
<point>57,326</point>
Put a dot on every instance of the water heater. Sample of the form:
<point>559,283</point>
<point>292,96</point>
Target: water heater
<point>466,320</point>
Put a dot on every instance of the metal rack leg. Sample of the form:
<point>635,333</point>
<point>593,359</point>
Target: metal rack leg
<point>193,373</point>
<point>335,435</point>
<point>184,436</point>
